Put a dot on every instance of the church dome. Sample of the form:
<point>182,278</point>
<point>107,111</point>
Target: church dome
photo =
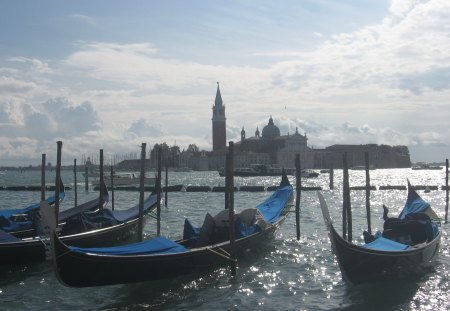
<point>270,131</point>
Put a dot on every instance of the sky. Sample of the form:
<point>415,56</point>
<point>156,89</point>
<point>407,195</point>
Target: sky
<point>111,75</point>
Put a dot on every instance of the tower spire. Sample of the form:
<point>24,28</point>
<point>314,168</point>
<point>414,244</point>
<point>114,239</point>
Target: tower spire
<point>218,101</point>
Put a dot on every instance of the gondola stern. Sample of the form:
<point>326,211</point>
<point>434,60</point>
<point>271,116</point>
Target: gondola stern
<point>284,179</point>
<point>325,211</point>
<point>51,240</point>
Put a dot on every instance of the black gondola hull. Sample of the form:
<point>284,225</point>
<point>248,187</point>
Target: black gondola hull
<point>360,265</point>
<point>84,270</point>
<point>34,249</point>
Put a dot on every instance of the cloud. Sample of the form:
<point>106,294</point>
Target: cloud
<point>9,85</point>
<point>54,118</point>
<point>144,128</point>
<point>84,18</point>
<point>37,66</point>
<point>317,34</point>
<point>436,79</point>
<point>401,7</point>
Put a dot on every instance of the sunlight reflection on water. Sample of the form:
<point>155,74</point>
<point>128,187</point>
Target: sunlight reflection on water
<point>287,274</point>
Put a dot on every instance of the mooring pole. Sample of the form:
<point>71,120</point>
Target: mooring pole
<point>43,178</point>
<point>86,177</point>
<point>141,195</point>
<point>298,187</point>
<point>230,193</point>
<point>331,178</point>
<point>446,190</point>
<point>158,194</point>
<point>167,186</point>
<point>347,210</point>
<point>58,178</point>
<point>101,180</point>
<point>366,161</point>
<point>112,187</point>
<point>227,182</point>
<point>75,181</point>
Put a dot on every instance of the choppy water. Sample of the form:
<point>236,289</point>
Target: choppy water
<point>287,275</point>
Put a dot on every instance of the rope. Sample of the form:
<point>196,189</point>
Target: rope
<point>226,255</point>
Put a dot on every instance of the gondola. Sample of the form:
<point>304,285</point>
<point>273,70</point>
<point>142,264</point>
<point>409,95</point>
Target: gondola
<point>86,225</point>
<point>407,246</point>
<point>21,222</point>
<point>159,258</point>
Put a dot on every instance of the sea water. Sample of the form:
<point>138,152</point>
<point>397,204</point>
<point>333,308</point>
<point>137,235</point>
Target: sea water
<point>286,275</point>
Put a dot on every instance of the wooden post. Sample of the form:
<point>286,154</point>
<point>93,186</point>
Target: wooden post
<point>230,193</point>
<point>446,190</point>
<point>331,178</point>
<point>227,181</point>
<point>141,194</point>
<point>298,177</point>
<point>366,161</point>
<point>101,179</point>
<point>158,194</point>
<point>167,185</point>
<point>347,211</point>
<point>112,187</point>
<point>86,178</point>
<point>43,178</point>
<point>75,181</point>
<point>58,178</point>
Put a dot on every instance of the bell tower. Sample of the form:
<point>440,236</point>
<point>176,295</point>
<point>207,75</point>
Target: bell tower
<point>218,123</point>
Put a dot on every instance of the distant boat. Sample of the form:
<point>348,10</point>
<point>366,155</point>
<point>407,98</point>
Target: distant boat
<point>424,166</point>
<point>124,179</point>
<point>362,167</point>
<point>309,173</point>
<point>258,170</point>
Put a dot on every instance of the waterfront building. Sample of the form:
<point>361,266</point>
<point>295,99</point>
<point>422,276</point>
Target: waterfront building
<point>380,156</point>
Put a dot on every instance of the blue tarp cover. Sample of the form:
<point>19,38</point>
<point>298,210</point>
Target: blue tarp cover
<point>272,207</point>
<point>8,224</point>
<point>9,212</point>
<point>384,244</point>
<point>158,245</point>
<point>133,212</point>
<point>414,204</point>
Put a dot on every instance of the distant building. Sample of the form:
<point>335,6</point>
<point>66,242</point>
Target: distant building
<point>270,147</point>
<point>380,156</point>
<point>280,150</point>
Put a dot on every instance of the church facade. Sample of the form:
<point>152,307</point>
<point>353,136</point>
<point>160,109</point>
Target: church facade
<point>280,149</point>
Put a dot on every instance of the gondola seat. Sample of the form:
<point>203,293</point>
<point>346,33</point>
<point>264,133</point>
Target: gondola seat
<point>90,221</point>
<point>414,229</point>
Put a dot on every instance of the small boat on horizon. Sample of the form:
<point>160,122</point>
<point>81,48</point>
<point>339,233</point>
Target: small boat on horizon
<point>258,170</point>
<point>425,166</point>
<point>124,179</point>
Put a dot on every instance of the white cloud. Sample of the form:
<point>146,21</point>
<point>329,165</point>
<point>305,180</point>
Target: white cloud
<point>401,7</point>
<point>84,18</point>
